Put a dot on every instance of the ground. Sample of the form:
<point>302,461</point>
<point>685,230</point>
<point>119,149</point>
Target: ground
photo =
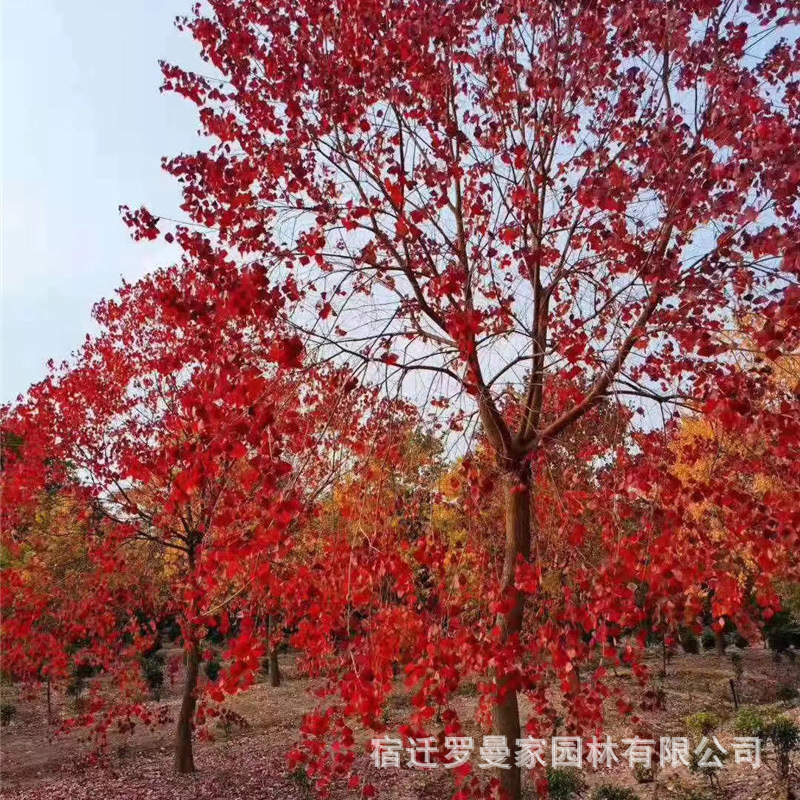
<point>251,762</point>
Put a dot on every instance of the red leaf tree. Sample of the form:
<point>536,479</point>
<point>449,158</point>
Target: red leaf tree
<point>491,201</point>
<point>176,430</point>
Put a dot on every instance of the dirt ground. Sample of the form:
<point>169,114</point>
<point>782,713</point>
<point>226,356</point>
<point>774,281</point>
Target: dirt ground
<point>251,762</point>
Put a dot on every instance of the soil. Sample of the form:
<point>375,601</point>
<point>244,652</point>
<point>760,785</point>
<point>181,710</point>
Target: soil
<point>251,762</point>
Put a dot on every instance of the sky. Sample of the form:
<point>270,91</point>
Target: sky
<point>84,128</point>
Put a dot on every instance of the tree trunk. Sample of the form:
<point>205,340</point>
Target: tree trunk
<point>785,775</point>
<point>274,669</point>
<point>506,721</point>
<point>184,758</point>
<point>719,643</point>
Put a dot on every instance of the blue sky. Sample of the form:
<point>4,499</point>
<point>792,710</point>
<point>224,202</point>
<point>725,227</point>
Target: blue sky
<point>83,131</point>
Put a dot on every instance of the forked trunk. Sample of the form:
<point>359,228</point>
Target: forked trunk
<point>184,758</point>
<point>274,669</point>
<point>506,721</point>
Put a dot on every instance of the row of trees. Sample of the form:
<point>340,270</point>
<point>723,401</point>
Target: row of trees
<point>454,278</point>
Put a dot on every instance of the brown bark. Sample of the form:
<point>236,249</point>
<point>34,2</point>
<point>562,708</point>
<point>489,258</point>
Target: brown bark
<point>274,669</point>
<point>184,757</point>
<point>719,643</point>
<point>506,720</point>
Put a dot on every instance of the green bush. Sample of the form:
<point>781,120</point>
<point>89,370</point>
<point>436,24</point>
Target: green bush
<point>75,685</point>
<point>704,722</point>
<point>708,639</point>
<point>153,670</point>
<point>301,779</point>
<point>7,713</point>
<point>787,694</point>
<point>212,668</point>
<point>610,792</point>
<point>564,783</point>
<point>84,670</point>
<point>170,628</point>
<point>784,735</point>
<point>767,724</point>
<point>711,773</point>
<point>79,673</point>
<point>782,632</point>
<point>689,641</point>
<point>215,636</point>
<point>750,721</point>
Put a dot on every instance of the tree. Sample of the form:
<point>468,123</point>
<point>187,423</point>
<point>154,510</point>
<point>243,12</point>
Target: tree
<point>492,194</point>
<point>736,463</point>
<point>63,615</point>
<point>174,428</point>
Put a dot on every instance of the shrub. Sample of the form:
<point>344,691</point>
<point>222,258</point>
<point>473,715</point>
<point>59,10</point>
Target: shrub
<point>171,628</point>
<point>704,722</point>
<point>643,774</point>
<point>215,636</point>
<point>300,778</point>
<point>777,729</point>
<point>782,632</point>
<point>750,722</point>
<point>708,639</point>
<point>609,792</point>
<point>710,771</point>
<point>784,735</point>
<point>736,639</point>
<point>75,685</point>
<point>153,671</point>
<point>79,673</point>
<point>7,713</point>
<point>84,670</point>
<point>787,694</point>
<point>689,641</point>
<point>212,668</point>
<point>564,783</point>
